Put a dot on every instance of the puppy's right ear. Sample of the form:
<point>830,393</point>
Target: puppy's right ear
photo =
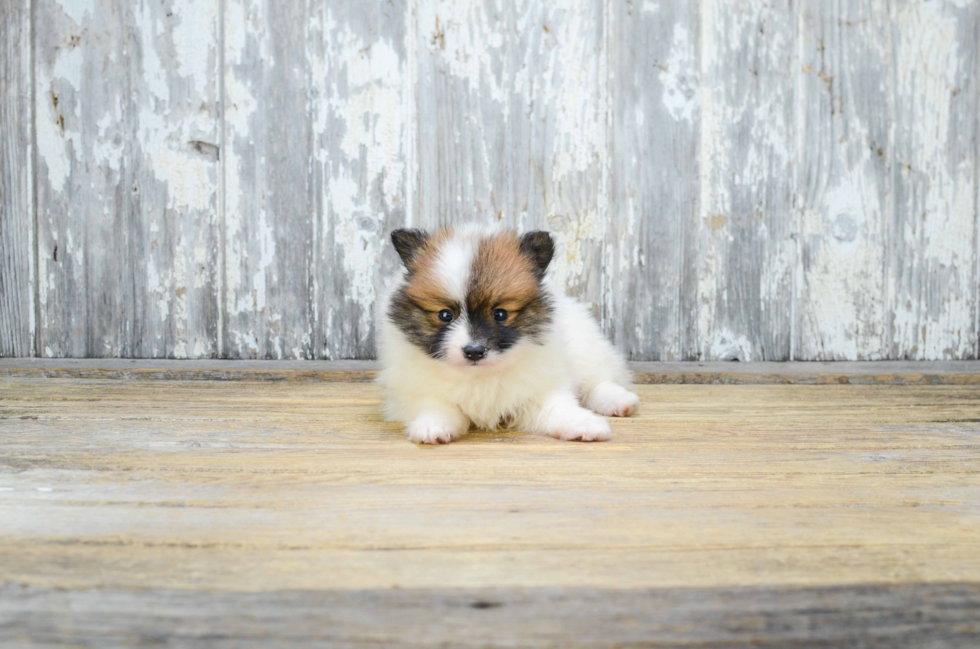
<point>407,243</point>
<point>540,248</point>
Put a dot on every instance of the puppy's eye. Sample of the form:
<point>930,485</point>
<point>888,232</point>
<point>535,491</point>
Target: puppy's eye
<point>499,315</point>
<point>446,316</point>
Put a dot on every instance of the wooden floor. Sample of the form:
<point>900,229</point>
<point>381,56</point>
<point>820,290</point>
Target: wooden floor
<point>288,513</point>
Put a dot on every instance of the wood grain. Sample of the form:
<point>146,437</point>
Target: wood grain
<point>846,181</point>
<point>127,132</point>
<point>363,151</point>
<point>316,173</point>
<point>113,483</point>
<point>798,373</point>
<point>175,507</point>
<point>268,305</point>
<point>881,174</point>
<point>16,181</point>
<point>871,616</point>
<point>934,158</point>
<point>650,265</point>
<point>746,229</point>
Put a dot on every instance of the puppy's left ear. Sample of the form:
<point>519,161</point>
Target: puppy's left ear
<point>539,248</point>
<point>407,243</point>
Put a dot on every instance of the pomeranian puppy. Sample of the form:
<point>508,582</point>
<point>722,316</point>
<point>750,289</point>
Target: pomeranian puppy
<point>475,332</point>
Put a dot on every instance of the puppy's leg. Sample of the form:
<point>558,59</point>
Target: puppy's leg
<point>599,371</point>
<point>561,416</point>
<point>611,399</point>
<point>437,424</point>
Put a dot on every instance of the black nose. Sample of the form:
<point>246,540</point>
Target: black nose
<point>475,352</point>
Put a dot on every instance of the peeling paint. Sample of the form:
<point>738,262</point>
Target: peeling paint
<point>361,132</point>
<point>679,76</point>
<point>937,193</point>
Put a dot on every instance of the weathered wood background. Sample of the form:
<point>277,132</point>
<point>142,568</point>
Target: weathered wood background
<point>750,179</point>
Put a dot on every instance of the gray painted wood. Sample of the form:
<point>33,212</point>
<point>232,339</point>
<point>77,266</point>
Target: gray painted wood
<point>512,123</point>
<point>316,173</point>
<point>888,190</point>
<point>845,184</point>
<point>749,180</point>
<point>127,132</point>
<point>747,251</point>
<point>269,223</point>
<point>651,264</point>
<point>362,158</point>
<point>16,181</point>
<point>932,277</point>
<point>869,616</point>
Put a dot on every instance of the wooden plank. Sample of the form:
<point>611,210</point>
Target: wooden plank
<point>651,266</point>
<point>511,123</point>
<point>746,228</point>
<point>195,370</point>
<point>798,373</point>
<point>118,484</point>
<point>127,143</point>
<point>846,182</point>
<point>16,181</point>
<point>810,373</point>
<point>362,149</point>
<point>870,616</point>
<point>932,281</point>
<point>268,304</point>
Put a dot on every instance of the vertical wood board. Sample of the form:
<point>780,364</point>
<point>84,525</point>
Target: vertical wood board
<point>361,119</point>
<point>16,181</point>
<point>747,250</point>
<point>269,219</point>
<point>127,115</point>
<point>650,262</point>
<point>932,253</point>
<point>845,183</point>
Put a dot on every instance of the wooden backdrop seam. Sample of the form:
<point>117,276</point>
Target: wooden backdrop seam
<point>222,188</point>
<point>411,55</point>
<point>976,189</point>
<point>603,307</point>
<point>35,292</point>
<point>798,202</point>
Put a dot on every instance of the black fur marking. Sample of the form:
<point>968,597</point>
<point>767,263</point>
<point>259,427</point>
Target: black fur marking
<point>419,326</point>
<point>533,320</point>
<point>407,243</point>
<point>540,248</point>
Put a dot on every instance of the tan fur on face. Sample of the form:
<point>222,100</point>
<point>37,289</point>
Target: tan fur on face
<point>424,287</point>
<point>502,276</point>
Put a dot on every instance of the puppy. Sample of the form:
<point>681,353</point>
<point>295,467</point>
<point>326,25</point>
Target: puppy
<point>475,332</point>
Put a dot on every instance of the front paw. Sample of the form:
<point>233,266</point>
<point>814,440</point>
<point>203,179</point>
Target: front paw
<point>581,426</point>
<point>612,400</point>
<point>431,429</point>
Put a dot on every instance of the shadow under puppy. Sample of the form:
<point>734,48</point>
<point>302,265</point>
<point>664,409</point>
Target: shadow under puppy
<point>476,332</point>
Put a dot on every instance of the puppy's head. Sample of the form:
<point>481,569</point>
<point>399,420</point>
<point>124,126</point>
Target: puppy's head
<point>472,295</point>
